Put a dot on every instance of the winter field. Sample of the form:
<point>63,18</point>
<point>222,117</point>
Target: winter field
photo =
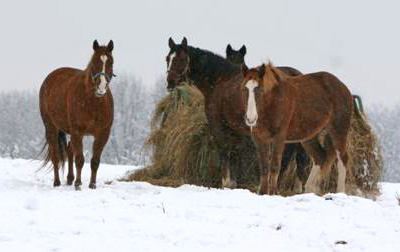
<point>121,216</point>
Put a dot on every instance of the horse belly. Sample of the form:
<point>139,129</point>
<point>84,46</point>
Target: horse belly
<point>307,127</point>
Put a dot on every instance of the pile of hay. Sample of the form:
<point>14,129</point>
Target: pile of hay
<point>181,143</point>
<point>184,151</point>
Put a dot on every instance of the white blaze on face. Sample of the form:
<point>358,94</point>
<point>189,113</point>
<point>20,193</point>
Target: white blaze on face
<point>171,58</point>
<point>102,88</point>
<point>251,113</point>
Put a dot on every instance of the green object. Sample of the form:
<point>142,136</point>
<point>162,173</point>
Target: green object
<point>183,92</point>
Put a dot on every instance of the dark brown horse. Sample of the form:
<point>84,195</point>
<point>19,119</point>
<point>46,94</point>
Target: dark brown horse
<point>219,81</point>
<point>283,109</point>
<point>78,103</point>
<point>291,151</point>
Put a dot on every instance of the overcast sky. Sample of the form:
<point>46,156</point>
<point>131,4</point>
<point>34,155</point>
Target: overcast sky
<point>358,41</point>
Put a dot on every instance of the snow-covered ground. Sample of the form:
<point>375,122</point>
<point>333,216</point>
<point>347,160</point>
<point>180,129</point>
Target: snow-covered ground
<point>120,216</point>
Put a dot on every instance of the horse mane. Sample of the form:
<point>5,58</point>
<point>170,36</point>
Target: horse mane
<point>89,64</point>
<point>272,76</point>
<point>212,66</point>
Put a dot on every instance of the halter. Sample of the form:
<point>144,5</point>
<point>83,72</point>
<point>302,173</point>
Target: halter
<point>96,75</point>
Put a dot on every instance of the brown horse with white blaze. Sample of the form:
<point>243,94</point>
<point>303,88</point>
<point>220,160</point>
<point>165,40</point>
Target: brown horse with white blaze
<point>291,151</point>
<point>284,109</point>
<point>78,103</point>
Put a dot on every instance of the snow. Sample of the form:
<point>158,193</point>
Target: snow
<point>138,216</point>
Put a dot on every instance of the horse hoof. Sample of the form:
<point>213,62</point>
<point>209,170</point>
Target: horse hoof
<point>261,191</point>
<point>228,183</point>
<point>78,186</point>
<point>311,189</point>
<point>70,180</point>
<point>273,192</point>
<point>298,186</point>
<point>92,186</point>
<point>56,183</point>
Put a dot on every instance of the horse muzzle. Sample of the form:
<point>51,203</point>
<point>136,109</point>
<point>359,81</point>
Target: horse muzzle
<point>250,122</point>
<point>101,92</point>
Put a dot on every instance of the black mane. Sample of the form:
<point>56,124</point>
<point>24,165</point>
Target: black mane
<point>208,66</point>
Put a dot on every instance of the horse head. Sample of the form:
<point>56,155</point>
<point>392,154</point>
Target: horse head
<point>257,82</point>
<point>236,57</point>
<point>177,63</point>
<point>101,68</point>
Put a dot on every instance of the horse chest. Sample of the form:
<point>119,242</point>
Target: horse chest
<point>87,117</point>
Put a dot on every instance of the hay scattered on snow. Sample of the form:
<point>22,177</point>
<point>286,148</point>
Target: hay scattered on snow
<point>184,151</point>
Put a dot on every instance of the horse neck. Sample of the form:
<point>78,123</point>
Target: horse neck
<point>87,81</point>
<point>205,75</point>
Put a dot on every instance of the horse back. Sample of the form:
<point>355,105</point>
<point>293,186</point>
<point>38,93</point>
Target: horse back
<point>58,82</point>
<point>290,71</point>
<point>321,100</point>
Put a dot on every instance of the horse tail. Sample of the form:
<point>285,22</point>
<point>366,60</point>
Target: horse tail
<point>62,151</point>
<point>62,148</point>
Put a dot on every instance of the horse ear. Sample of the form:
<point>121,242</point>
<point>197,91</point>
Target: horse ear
<point>110,46</point>
<point>228,49</point>
<point>171,43</point>
<point>243,50</point>
<point>245,69</point>
<point>184,43</point>
<point>95,45</point>
<point>261,71</point>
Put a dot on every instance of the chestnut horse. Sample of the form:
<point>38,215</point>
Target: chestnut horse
<point>237,57</point>
<point>78,103</point>
<point>284,109</point>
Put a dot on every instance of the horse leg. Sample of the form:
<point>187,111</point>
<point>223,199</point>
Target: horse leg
<point>76,142</point>
<point>275,164</point>
<point>301,165</point>
<point>225,147</point>
<point>263,154</point>
<point>342,170</point>
<point>288,152</point>
<point>228,176</point>
<point>317,153</point>
<point>98,146</point>
<point>339,143</point>
<point>233,164</point>
<point>70,176</point>
<point>330,158</point>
